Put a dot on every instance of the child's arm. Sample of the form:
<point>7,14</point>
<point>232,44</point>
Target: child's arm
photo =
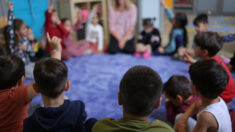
<point>48,15</point>
<point>205,121</point>
<point>55,46</point>
<point>156,40</point>
<point>11,28</point>
<point>92,13</point>
<point>169,13</point>
<point>100,38</point>
<point>181,125</point>
<point>56,53</point>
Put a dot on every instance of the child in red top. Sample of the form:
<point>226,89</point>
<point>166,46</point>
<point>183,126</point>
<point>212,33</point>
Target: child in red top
<point>207,46</point>
<point>54,27</point>
<point>14,96</point>
<point>179,97</point>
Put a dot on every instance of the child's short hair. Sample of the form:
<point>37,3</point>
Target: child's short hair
<point>140,90</point>
<point>201,18</point>
<point>209,77</point>
<point>17,24</point>
<point>148,22</point>
<point>209,41</point>
<point>177,85</point>
<point>50,76</point>
<point>11,71</point>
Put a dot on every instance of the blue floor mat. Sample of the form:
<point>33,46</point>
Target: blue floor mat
<point>95,80</point>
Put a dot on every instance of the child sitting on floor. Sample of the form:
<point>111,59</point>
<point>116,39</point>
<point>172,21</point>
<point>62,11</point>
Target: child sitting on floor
<point>16,39</point>
<point>14,95</point>
<point>207,45</point>
<point>178,36</point>
<point>201,25</point>
<point>94,31</point>
<point>74,49</point>
<point>209,80</point>
<point>37,46</point>
<point>54,27</point>
<point>58,114</point>
<point>178,94</point>
<point>140,94</point>
<point>149,39</point>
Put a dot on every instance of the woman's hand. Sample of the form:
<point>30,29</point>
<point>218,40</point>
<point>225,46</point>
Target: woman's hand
<point>122,43</point>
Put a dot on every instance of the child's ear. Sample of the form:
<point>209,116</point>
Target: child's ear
<point>119,99</point>
<point>21,81</point>
<point>158,103</point>
<point>179,99</point>
<point>67,86</point>
<point>35,88</point>
<point>205,53</point>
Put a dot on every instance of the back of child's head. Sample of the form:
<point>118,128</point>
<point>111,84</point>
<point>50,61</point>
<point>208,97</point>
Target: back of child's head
<point>177,85</point>
<point>140,91</point>
<point>209,78</point>
<point>209,41</point>
<point>50,76</point>
<point>148,22</point>
<point>201,18</point>
<point>11,71</point>
<point>181,21</point>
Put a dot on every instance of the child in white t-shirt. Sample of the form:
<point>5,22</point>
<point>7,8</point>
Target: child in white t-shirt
<point>94,31</point>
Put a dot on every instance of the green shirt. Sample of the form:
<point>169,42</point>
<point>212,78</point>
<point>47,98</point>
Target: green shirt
<point>125,125</point>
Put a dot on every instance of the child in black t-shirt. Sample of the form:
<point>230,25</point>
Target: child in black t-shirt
<point>148,40</point>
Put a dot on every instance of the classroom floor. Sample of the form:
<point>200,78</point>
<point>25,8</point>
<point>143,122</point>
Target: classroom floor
<point>95,78</point>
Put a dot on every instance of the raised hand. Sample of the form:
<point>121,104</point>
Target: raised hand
<point>95,7</point>
<point>10,5</point>
<point>54,42</point>
<point>51,8</point>
<point>163,3</point>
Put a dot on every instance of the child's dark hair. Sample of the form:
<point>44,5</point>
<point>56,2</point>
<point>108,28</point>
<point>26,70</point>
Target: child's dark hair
<point>140,90</point>
<point>17,24</point>
<point>148,22</point>
<point>11,71</point>
<point>177,85</point>
<point>64,20</point>
<point>201,18</point>
<point>6,34</point>
<point>181,21</point>
<point>50,76</point>
<point>209,77</point>
<point>209,41</point>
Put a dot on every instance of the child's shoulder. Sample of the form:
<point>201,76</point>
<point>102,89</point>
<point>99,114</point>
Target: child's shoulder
<point>162,126</point>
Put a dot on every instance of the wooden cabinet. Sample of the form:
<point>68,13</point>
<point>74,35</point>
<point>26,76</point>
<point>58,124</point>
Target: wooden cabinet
<point>67,10</point>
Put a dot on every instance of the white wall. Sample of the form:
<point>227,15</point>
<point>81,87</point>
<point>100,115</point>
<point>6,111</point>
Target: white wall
<point>150,9</point>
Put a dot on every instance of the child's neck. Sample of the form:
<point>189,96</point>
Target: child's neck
<point>206,101</point>
<point>131,117</point>
<point>49,102</point>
